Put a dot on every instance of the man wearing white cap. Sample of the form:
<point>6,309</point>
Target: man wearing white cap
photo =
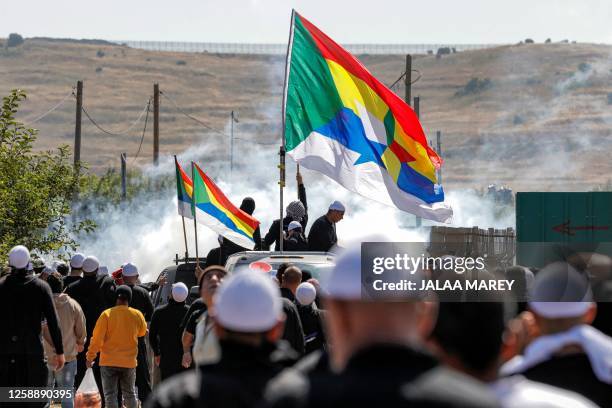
<point>376,351</point>
<point>248,322</point>
<point>569,353</point>
<point>295,240</point>
<point>94,294</point>
<point>165,332</point>
<point>322,235</point>
<point>24,301</point>
<point>311,317</point>
<point>76,269</point>
<point>296,211</point>
<point>140,301</point>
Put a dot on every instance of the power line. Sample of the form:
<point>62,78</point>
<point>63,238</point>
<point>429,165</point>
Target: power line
<point>123,132</point>
<point>60,103</point>
<point>192,117</point>
<point>404,75</point>
<point>144,130</point>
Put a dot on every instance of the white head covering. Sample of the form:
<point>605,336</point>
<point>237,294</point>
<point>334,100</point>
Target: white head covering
<point>129,269</point>
<point>306,293</point>
<point>179,292</point>
<point>103,270</point>
<point>19,257</point>
<point>337,206</point>
<point>76,261</point>
<point>294,225</point>
<point>248,302</point>
<point>560,291</point>
<point>90,264</point>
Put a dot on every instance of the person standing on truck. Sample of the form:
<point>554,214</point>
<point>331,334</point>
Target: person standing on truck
<point>116,337</point>
<point>296,211</point>
<point>296,240</point>
<point>165,332</point>
<point>94,294</point>
<point>322,236</point>
<point>25,300</point>
<point>141,301</point>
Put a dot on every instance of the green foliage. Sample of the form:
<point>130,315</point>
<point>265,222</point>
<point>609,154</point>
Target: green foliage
<point>14,40</point>
<point>36,189</point>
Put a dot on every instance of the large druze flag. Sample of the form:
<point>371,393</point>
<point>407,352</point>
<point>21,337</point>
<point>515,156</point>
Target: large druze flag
<point>344,123</point>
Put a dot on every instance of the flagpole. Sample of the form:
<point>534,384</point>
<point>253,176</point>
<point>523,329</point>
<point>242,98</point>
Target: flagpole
<point>195,224</point>
<point>182,216</point>
<point>185,236</point>
<point>281,165</point>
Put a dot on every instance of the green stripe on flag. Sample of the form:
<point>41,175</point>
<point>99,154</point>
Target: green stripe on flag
<point>312,98</point>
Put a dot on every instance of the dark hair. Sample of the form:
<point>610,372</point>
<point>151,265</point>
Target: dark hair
<point>63,269</point>
<point>209,269</point>
<point>306,275</point>
<point>56,282</point>
<point>471,331</point>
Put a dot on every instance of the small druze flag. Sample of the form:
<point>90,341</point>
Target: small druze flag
<point>184,191</point>
<point>212,208</point>
<point>344,123</point>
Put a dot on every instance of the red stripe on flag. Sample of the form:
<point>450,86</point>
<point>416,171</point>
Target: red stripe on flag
<point>405,116</point>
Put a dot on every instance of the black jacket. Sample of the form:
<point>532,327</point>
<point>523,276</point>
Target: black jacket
<point>322,235</point>
<point>296,242</point>
<point>165,333</point>
<point>95,294</point>
<point>574,373</point>
<point>312,324</point>
<point>216,256</point>
<point>196,309</point>
<point>293,334</point>
<point>380,376</point>
<point>273,233</point>
<point>230,248</point>
<point>237,380</point>
<point>141,301</point>
<point>25,301</point>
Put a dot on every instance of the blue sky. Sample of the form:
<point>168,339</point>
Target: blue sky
<point>357,21</point>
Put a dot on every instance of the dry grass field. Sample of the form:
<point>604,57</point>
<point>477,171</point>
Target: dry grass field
<point>541,122</point>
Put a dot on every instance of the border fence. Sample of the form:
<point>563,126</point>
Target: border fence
<point>280,49</point>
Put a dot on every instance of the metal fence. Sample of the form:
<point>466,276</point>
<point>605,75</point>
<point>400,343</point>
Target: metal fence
<point>279,49</point>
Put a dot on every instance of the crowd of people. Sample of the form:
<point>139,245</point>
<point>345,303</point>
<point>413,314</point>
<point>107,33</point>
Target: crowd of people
<point>255,340</point>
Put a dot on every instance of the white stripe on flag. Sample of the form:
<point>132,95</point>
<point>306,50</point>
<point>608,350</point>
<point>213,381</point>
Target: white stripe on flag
<point>214,224</point>
<point>322,154</point>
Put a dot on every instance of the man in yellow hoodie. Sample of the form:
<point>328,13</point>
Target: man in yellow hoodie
<point>115,337</point>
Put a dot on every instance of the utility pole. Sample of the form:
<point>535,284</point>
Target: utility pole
<point>77,124</point>
<point>408,79</point>
<point>123,176</point>
<point>417,110</point>
<point>156,124</point>
<point>232,119</point>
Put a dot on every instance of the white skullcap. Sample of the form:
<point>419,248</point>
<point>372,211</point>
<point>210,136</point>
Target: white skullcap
<point>90,264</point>
<point>345,280</point>
<point>306,293</point>
<point>48,270</point>
<point>337,206</point>
<point>19,257</point>
<point>248,302</point>
<point>76,261</point>
<point>129,269</point>
<point>560,291</point>
<point>179,292</point>
<point>103,270</point>
<point>294,225</point>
